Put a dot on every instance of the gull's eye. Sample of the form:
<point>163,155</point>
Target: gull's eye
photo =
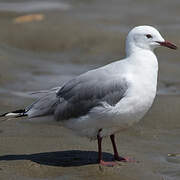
<point>148,36</point>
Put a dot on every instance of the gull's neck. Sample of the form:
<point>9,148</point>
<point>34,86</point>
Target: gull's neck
<point>144,60</point>
<point>141,55</point>
<point>131,49</point>
<point>143,65</point>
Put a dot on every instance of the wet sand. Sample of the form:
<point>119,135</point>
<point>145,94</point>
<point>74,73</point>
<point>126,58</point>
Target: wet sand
<point>34,151</point>
<point>44,54</point>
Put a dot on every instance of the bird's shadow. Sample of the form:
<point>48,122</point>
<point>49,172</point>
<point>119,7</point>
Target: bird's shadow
<point>60,158</point>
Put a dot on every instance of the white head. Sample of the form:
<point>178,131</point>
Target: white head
<point>145,37</point>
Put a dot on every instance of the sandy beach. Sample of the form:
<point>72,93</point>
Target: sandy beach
<point>42,54</point>
<point>41,151</point>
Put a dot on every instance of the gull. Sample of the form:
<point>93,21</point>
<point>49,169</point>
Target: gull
<point>109,99</point>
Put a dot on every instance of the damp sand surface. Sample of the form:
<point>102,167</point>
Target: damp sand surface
<point>71,38</point>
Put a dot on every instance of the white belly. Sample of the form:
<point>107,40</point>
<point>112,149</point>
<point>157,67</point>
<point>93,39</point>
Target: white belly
<point>111,119</point>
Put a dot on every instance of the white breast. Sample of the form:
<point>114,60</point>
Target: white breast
<point>141,76</point>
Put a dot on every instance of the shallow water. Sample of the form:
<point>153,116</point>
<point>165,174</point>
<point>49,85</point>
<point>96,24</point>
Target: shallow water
<point>37,55</point>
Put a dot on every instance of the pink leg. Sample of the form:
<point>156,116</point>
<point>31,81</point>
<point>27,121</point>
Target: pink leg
<point>116,155</point>
<point>100,161</point>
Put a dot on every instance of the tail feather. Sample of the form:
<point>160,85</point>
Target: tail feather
<point>17,113</point>
<point>43,106</point>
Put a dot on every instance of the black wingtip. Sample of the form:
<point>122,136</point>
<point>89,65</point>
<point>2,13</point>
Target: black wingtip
<point>2,115</point>
<point>20,113</point>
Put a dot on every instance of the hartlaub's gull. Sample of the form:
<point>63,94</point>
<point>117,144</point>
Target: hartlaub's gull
<point>106,100</point>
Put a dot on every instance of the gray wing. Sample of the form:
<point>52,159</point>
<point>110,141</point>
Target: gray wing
<point>44,92</point>
<point>44,105</point>
<point>80,95</point>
